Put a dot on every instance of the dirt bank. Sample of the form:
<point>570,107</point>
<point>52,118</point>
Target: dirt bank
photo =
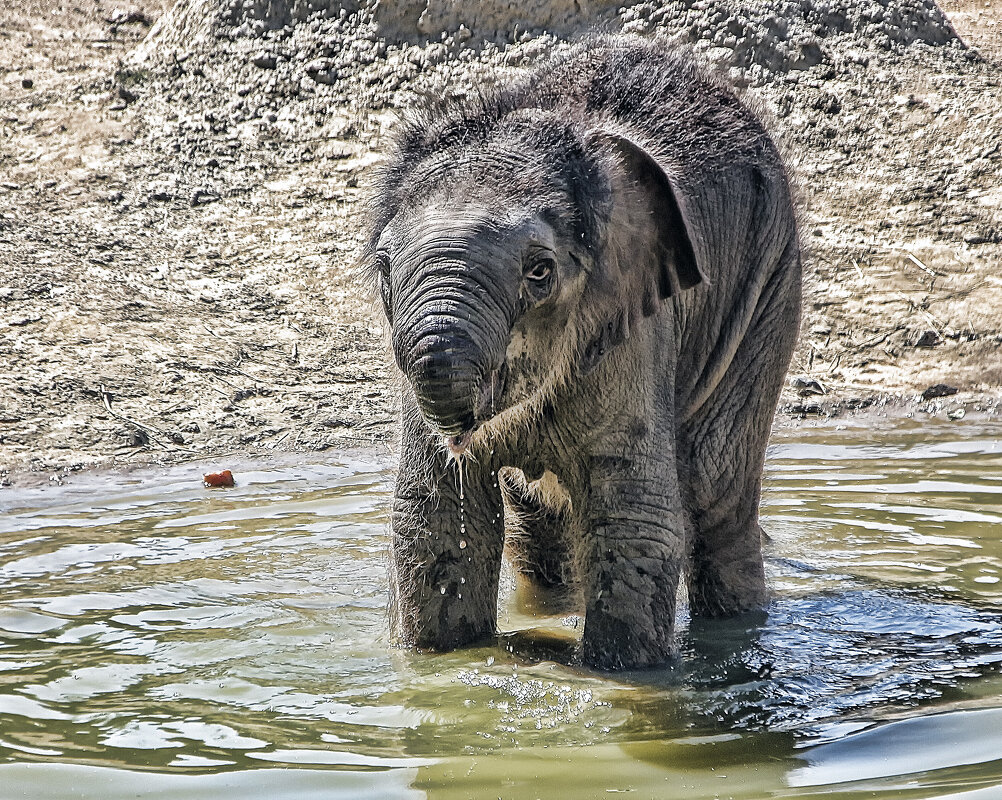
<point>181,205</point>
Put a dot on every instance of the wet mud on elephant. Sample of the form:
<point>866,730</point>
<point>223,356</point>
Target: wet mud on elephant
<point>592,279</point>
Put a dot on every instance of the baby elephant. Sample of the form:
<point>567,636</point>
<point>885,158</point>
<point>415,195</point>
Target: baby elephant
<point>592,278</point>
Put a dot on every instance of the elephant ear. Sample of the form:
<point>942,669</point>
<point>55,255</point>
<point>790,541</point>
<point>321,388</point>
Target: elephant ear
<point>674,268</point>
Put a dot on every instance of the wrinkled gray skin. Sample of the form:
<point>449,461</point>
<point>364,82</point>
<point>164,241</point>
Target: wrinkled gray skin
<point>593,284</point>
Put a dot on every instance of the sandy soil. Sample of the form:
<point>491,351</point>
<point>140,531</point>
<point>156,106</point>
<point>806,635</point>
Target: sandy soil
<point>177,236</point>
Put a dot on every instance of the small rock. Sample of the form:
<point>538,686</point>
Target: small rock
<point>939,390</point>
<point>323,70</point>
<point>191,427</point>
<point>160,196</point>
<point>807,386</point>
<point>127,95</point>
<point>976,238</point>
<point>136,437</point>
<point>176,437</point>
<point>804,409</point>
<point>856,403</point>
<point>223,478</point>
<point>20,322</point>
<point>264,61</point>
<point>201,197</point>
<point>956,413</point>
<point>928,338</point>
<point>27,83</point>
<point>133,16</point>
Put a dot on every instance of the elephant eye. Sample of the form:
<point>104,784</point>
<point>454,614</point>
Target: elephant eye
<point>540,270</point>
<point>539,279</point>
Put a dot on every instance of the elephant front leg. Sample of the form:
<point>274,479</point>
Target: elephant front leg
<point>448,534</point>
<point>637,533</point>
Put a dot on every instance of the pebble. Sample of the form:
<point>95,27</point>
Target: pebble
<point>939,390</point>
<point>201,197</point>
<point>928,338</point>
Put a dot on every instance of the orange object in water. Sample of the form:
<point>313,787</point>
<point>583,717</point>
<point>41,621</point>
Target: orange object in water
<point>216,479</point>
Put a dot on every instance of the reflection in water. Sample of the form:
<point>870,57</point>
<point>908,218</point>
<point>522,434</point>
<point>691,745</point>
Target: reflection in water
<point>158,638</point>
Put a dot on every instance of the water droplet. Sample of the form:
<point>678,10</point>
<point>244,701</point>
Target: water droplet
<point>462,580</point>
<point>462,544</point>
<point>441,589</point>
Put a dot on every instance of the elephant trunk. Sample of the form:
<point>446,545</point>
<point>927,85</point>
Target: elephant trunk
<point>443,369</point>
<point>450,333</point>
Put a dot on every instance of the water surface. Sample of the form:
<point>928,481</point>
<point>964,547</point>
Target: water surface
<point>161,639</point>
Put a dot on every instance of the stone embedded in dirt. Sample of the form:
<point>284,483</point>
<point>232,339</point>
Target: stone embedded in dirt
<point>939,390</point>
<point>264,61</point>
<point>804,410</point>
<point>928,338</point>
<point>201,197</point>
<point>131,17</point>
<point>136,437</point>
<point>27,83</point>
<point>323,70</point>
<point>215,480</point>
<point>807,386</point>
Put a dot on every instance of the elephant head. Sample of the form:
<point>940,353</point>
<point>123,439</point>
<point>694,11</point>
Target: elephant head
<point>510,255</point>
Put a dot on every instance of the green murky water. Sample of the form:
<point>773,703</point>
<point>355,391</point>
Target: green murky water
<point>161,640</point>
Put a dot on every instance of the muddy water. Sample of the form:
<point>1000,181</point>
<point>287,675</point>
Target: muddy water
<point>159,639</point>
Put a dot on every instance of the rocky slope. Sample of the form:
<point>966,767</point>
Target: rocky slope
<point>182,207</point>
